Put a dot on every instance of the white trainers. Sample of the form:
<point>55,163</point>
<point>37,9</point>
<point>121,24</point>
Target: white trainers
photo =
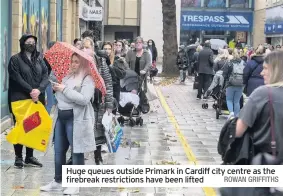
<point>71,191</point>
<point>104,148</point>
<point>52,186</point>
<point>231,115</point>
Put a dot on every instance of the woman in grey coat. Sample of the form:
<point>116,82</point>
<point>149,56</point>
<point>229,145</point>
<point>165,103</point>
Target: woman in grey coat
<point>73,120</point>
<point>139,59</point>
<point>100,107</point>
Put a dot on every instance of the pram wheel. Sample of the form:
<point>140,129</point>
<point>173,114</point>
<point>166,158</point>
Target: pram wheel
<point>204,106</point>
<point>214,106</point>
<point>121,120</point>
<point>138,120</point>
<point>141,122</point>
<point>132,122</point>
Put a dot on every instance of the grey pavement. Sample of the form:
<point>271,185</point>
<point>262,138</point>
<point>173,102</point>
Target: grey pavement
<point>154,143</point>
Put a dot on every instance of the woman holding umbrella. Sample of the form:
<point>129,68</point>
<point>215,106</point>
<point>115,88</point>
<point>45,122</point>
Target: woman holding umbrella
<point>74,116</point>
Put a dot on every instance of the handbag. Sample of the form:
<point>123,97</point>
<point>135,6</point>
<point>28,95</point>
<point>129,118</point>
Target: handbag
<point>151,93</point>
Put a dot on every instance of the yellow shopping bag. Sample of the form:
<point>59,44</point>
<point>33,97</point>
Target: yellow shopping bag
<point>33,125</point>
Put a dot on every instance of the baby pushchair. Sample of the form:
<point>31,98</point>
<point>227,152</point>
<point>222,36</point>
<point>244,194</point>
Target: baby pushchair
<point>133,83</point>
<point>220,104</point>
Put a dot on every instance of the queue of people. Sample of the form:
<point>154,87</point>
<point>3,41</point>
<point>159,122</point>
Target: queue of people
<point>79,106</point>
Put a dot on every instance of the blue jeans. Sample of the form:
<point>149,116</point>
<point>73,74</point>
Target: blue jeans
<point>233,97</point>
<point>50,98</point>
<point>63,139</point>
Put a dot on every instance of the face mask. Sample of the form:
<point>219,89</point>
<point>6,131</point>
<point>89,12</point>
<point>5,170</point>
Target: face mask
<point>150,44</point>
<point>29,48</point>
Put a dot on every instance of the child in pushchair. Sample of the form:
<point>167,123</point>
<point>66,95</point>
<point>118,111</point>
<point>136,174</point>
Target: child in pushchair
<point>133,101</point>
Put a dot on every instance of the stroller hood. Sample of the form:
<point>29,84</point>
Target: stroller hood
<point>130,81</point>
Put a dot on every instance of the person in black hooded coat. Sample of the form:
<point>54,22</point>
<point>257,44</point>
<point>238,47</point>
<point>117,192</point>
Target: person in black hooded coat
<point>28,79</point>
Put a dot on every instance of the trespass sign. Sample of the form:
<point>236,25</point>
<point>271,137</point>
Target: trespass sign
<point>228,21</point>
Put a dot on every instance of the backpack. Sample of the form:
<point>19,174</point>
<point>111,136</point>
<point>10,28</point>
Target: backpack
<point>237,76</point>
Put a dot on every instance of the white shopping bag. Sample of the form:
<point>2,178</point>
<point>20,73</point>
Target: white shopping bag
<point>107,121</point>
<point>151,93</point>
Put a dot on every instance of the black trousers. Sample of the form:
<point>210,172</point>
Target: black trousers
<point>116,95</point>
<point>97,153</point>
<point>19,148</point>
<point>204,83</point>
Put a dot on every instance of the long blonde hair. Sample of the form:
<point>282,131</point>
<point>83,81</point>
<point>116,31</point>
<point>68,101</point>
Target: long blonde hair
<point>274,60</point>
<point>236,54</point>
<point>224,54</point>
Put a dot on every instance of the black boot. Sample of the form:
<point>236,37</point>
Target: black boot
<point>98,156</point>
<point>19,162</point>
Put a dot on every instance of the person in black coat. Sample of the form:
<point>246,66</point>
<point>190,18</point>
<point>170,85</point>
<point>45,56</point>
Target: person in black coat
<point>205,69</point>
<point>28,79</point>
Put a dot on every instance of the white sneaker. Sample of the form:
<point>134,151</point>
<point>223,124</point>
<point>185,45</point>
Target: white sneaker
<point>231,115</point>
<point>71,191</point>
<point>104,149</point>
<point>52,186</point>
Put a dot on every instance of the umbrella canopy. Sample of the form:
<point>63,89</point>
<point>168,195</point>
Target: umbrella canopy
<point>217,43</point>
<point>59,58</point>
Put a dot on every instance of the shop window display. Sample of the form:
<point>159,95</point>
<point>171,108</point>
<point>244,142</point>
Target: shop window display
<point>191,3</point>
<point>215,3</point>
<point>239,3</point>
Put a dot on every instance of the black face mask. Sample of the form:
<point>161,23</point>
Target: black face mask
<point>29,48</point>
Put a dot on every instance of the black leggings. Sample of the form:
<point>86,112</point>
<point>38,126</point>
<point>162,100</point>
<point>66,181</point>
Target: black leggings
<point>116,95</point>
<point>97,153</point>
<point>19,148</point>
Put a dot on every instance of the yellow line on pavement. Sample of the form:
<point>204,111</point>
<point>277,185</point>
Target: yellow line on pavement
<point>188,150</point>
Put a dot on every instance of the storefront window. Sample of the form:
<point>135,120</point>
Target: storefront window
<point>239,3</point>
<point>191,3</point>
<point>188,37</point>
<point>215,3</point>
<point>5,53</point>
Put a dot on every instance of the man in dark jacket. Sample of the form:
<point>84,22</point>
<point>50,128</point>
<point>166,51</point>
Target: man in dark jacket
<point>28,79</point>
<point>205,69</point>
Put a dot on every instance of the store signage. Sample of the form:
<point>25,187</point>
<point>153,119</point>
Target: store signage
<point>274,20</point>
<point>90,13</point>
<point>227,21</point>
